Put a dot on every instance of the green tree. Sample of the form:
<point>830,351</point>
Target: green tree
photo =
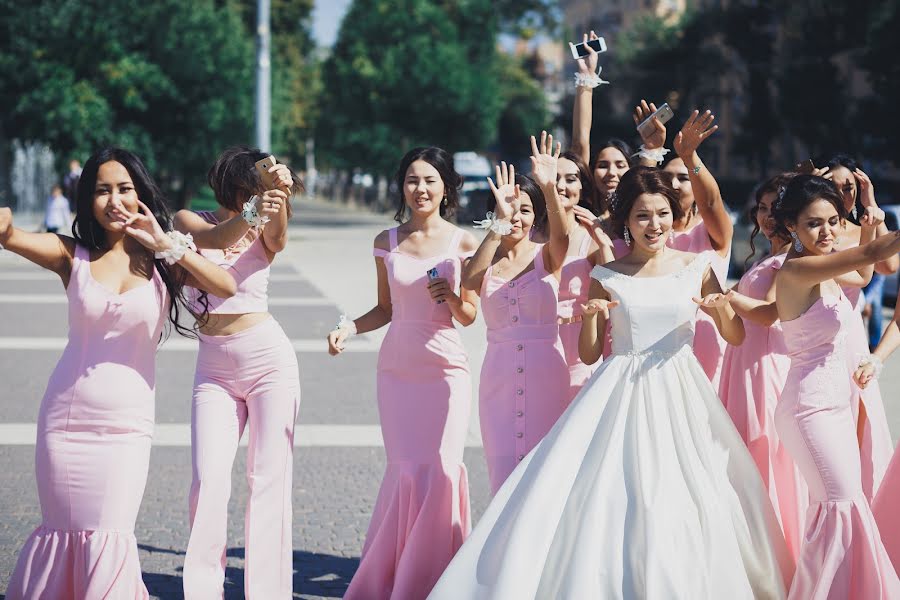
<point>524,108</point>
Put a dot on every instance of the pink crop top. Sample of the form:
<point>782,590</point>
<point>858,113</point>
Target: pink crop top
<point>249,264</point>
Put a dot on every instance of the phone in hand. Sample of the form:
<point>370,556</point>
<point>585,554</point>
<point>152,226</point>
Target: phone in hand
<point>806,167</point>
<point>432,274</point>
<point>580,50</point>
<point>262,167</point>
<point>663,113</point>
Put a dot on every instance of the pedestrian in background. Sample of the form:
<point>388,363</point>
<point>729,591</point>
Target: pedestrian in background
<point>57,218</point>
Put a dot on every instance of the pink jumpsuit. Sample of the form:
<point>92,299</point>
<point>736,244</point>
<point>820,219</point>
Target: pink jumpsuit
<point>250,377</point>
<point>525,380</point>
<point>753,375</point>
<point>842,555</point>
<point>421,515</point>
<point>574,285</point>
<point>93,445</point>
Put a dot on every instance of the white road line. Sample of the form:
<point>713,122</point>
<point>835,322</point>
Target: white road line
<point>178,344</point>
<point>62,299</point>
<point>179,435</point>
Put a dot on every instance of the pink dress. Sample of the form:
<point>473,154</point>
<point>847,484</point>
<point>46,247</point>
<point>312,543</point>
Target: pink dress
<point>574,285</point>
<point>885,508</point>
<point>753,375</point>
<point>421,516</point>
<point>842,555</point>
<point>524,385</point>
<point>93,445</point>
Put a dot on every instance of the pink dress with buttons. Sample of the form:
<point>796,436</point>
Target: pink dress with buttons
<point>524,385</point>
<point>574,285</point>
<point>421,516</point>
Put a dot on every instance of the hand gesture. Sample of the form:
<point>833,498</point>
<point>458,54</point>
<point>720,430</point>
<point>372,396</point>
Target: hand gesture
<point>863,375</point>
<point>823,172</point>
<point>599,306</point>
<point>655,136</point>
<point>873,215</point>
<point>717,300</point>
<point>588,65</point>
<point>272,202</point>
<point>281,176</point>
<point>6,223</point>
<point>543,160</point>
<point>593,224</point>
<point>695,131</point>
<point>440,290</point>
<point>506,193</point>
<point>144,227</point>
<point>337,339</point>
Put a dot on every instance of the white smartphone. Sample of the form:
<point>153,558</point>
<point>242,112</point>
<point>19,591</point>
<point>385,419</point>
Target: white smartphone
<point>580,50</point>
<point>663,113</point>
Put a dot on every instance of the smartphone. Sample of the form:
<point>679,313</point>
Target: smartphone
<point>663,113</point>
<point>262,167</point>
<point>806,167</point>
<point>433,274</point>
<point>580,50</point>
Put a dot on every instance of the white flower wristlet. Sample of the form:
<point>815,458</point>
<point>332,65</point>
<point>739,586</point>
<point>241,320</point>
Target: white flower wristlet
<point>181,243</point>
<point>346,324</point>
<point>494,224</point>
<point>251,214</point>
<point>654,154</point>
<point>874,362</point>
<point>589,81</point>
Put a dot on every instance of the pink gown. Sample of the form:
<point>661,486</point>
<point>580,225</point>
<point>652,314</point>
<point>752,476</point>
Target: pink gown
<point>885,508</point>
<point>421,515</point>
<point>93,445</point>
<point>574,284</point>
<point>525,380</point>
<point>753,375</point>
<point>842,555</point>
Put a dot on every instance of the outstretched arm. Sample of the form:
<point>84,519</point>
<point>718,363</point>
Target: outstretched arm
<point>653,137</point>
<point>47,250</point>
<point>506,196</point>
<point>593,324</point>
<point>543,169</point>
<point>582,113</point>
<point>716,304</point>
<point>808,271</point>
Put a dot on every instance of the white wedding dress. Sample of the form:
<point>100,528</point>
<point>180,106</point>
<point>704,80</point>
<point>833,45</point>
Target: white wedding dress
<point>643,488</point>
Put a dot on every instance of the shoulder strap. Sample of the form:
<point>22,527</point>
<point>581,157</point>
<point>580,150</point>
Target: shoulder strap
<point>585,246</point>
<point>208,216</point>
<point>539,260</point>
<point>81,254</point>
<point>453,247</point>
<point>392,239</point>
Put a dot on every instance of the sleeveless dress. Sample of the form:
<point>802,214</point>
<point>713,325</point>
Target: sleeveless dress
<point>842,555</point>
<point>643,489</point>
<point>753,375</point>
<point>424,389</point>
<point>525,380</point>
<point>574,285</point>
<point>93,444</point>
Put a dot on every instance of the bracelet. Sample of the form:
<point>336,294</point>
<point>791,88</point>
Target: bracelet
<point>181,243</point>
<point>347,324</point>
<point>494,224</point>
<point>655,154</point>
<point>875,363</point>
<point>251,215</point>
<point>696,170</point>
<point>589,81</point>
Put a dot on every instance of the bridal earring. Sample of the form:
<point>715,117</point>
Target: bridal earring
<point>627,237</point>
<point>798,245</point>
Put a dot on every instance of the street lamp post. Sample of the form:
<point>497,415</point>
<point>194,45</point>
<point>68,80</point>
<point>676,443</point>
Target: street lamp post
<point>263,77</point>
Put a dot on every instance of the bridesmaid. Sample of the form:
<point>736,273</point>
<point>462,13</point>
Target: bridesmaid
<point>841,555</point>
<point>123,276</point>
<point>421,516</point>
<point>753,374</point>
<point>524,384</point>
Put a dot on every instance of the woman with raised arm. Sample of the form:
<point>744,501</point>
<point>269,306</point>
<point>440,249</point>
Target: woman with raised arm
<point>753,374</point>
<point>247,376</point>
<point>642,489</point>
<point>421,516</point>
<point>524,384</point>
<point>123,270</point>
<point>842,555</point>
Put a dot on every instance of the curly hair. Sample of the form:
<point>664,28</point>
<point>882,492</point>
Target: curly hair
<point>802,191</point>
<point>773,185</point>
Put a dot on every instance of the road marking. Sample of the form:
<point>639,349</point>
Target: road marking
<point>179,435</point>
<point>179,344</point>
<point>61,298</point>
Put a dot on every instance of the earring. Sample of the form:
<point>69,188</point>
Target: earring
<point>627,237</point>
<point>798,245</point>
<point>445,200</point>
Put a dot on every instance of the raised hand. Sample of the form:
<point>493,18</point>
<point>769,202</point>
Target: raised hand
<point>506,192</point>
<point>655,136</point>
<point>144,227</point>
<point>544,160</point>
<point>6,223</point>
<point>593,225</point>
<point>588,65</point>
<point>272,202</point>
<point>873,215</point>
<point>717,300</point>
<point>694,132</point>
<point>823,172</point>
<point>281,175</point>
<point>599,306</point>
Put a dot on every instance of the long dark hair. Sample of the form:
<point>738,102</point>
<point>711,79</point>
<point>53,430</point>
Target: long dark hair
<point>602,203</point>
<point>588,197</point>
<point>233,177</point>
<point>441,160</point>
<point>90,234</point>
<point>802,191</point>
<point>636,182</point>
<point>773,185</point>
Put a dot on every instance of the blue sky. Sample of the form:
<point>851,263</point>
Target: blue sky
<point>327,16</point>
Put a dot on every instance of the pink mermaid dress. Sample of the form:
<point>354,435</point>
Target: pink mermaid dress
<point>574,285</point>
<point>524,386</point>
<point>93,445</point>
<point>421,515</point>
<point>753,375</point>
<point>841,555</point>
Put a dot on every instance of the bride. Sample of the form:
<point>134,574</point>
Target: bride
<point>643,488</point>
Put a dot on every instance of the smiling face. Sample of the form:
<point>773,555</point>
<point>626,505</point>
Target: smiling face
<point>650,222</point>
<point>817,226</point>
<point>568,182</point>
<point>522,219</point>
<point>113,191</point>
<point>423,188</point>
<point>681,182</point>
<point>609,167</point>
<point>846,184</point>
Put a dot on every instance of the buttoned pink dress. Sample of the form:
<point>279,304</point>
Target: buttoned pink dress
<point>424,388</point>
<point>574,285</point>
<point>753,375</point>
<point>525,381</point>
<point>93,445</point>
<point>841,555</point>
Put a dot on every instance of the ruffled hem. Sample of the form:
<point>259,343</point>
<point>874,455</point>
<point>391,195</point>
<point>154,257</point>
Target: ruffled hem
<point>421,519</point>
<point>79,565</point>
<point>843,556</point>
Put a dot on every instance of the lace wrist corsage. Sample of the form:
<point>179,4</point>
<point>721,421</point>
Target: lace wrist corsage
<point>346,324</point>
<point>251,215</point>
<point>874,362</point>
<point>181,243</point>
<point>589,81</point>
<point>654,154</point>
<point>494,224</point>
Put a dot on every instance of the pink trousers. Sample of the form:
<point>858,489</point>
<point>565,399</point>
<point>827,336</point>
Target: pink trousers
<point>248,377</point>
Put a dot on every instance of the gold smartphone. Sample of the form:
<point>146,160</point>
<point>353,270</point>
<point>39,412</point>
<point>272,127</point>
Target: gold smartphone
<point>262,167</point>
